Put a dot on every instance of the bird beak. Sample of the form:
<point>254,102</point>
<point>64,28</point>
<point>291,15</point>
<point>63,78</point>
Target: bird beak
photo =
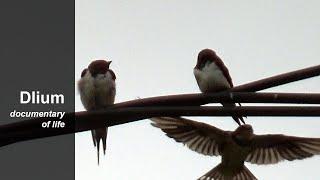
<point>109,62</point>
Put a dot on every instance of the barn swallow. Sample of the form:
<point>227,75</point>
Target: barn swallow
<point>97,89</point>
<point>236,147</point>
<point>213,76</point>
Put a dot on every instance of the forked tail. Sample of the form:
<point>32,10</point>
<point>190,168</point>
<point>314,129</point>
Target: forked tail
<point>97,135</point>
<point>221,172</point>
<point>235,118</point>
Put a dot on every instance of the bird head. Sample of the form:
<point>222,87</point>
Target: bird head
<point>243,133</point>
<point>99,67</point>
<point>205,56</point>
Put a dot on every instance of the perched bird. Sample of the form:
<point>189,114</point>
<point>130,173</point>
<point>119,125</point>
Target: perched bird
<point>97,89</point>
<point>213,76</point>
<point>236,147</point>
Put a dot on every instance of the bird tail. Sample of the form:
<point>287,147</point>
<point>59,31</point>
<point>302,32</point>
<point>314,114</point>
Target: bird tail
<point>97,135</point>
<point>235,118</point>
<point>221,172</point>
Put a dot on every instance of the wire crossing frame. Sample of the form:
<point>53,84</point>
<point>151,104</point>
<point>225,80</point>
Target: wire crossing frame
<point>178,105</point>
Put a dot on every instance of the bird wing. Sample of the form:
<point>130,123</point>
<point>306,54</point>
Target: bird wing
<point>224,69</point>
<point>199,137</point>
<point>112,74</point>
<point>271,149</point>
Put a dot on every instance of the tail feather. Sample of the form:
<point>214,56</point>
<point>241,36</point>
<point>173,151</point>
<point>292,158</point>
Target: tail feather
<point>243,116</point>
<point>235,118</point>
<point>94,138</point>
<point>100,134</point>
<point>221,172</point>
<point>98,150</point>
<point>104,142</point>
<point>214,174</point>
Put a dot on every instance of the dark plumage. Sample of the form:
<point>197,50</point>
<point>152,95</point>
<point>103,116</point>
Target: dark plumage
<point>213,76</point>
<point>97,91</point>
<point>236,147</point>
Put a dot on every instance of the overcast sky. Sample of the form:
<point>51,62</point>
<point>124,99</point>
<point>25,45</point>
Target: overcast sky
<point>154,45</point>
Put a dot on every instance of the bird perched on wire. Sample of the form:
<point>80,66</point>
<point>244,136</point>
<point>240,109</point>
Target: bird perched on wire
<point>97,89</point>
<point>236,147</point>
<point>213,76</point>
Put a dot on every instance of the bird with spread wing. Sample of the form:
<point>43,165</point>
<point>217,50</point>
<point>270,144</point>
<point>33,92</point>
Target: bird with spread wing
<point>236,147</point>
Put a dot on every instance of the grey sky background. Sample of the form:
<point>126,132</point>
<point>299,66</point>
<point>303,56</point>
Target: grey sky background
<point>154,45</point>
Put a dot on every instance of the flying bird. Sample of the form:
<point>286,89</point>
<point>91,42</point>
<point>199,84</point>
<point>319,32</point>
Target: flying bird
<point>236,147</point>
<point>213,76</point>
<point>97,89</point>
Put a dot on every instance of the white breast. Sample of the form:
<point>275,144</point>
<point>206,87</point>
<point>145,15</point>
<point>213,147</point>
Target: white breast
<point>211,78</point>
<point>98,92</point>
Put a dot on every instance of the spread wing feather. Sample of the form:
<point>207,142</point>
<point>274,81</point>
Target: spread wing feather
<point>197,136</point>
<point>271,149</point>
